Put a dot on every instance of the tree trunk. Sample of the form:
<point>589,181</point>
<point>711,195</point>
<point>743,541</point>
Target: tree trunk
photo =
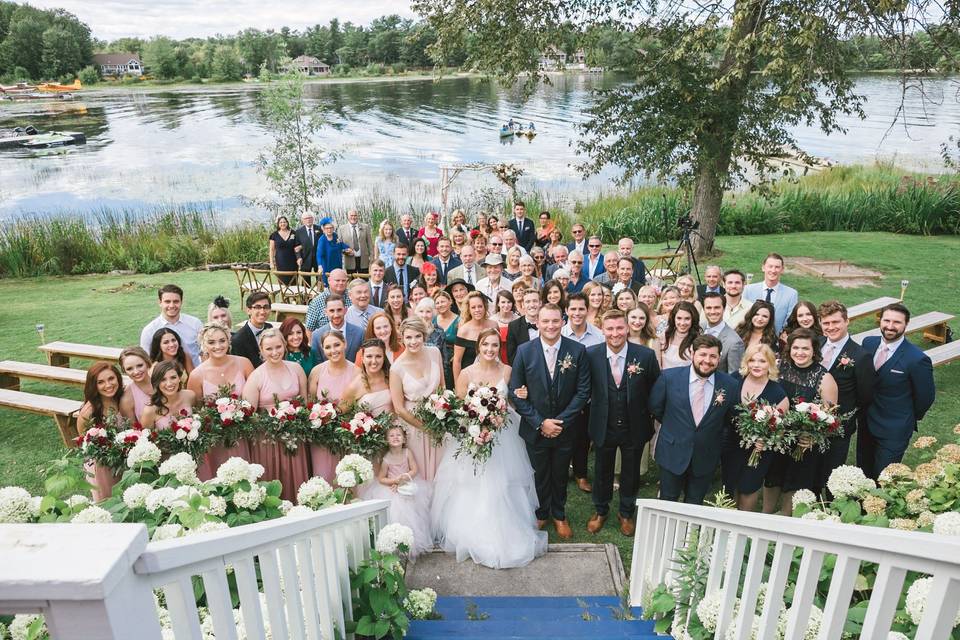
<point>707,196</point>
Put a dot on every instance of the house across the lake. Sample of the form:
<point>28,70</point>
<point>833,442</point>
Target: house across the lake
<point>554,59</point>
<point>308,65</point>
<point>118,64</point>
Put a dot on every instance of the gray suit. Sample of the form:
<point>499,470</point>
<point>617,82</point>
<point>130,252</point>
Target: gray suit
<point>351,263</point>
<point>733,348</point>
<point>457,273</point>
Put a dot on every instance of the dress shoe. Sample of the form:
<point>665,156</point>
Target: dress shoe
<point>596,523</point>
<point>541,524</point>
<point>627,525</point>
<point>584,485</point>
<point>564,532</point>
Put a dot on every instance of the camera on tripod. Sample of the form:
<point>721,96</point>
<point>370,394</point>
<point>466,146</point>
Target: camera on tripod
<point>687,223</point>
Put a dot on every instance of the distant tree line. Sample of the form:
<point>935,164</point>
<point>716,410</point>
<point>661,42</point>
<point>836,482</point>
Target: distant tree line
<point>52,44</point>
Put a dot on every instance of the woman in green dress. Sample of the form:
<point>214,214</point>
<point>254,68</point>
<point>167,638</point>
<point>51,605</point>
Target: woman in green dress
<point>298,347</point>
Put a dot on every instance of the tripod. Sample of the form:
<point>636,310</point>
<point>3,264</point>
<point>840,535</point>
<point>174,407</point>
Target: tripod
<point>686,248</point>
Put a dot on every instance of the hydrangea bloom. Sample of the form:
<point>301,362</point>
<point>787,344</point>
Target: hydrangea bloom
<point>75,501</point>
<point>874,505</point>
<point>167,532</point>
<point>356,464</point>
<point>21,626</point>
<point>820,516</point>
<point>419,603</point>
<point>347,479</point>
<point>916,601</point>
<point>926,518</point>
<point>894,472</point>
<point>804,496</point>
<point>285,506</point>
<point>949,453</point>
<point>917,501</point>
<point>182,466</point>
<point>135,496</point>
<point>708,611</point>
<point>813,623</point>
<point>848,481</point>
<point>928,473</point>
<point>162,498</point>
<point>315,493</point>
<point>299,511</point>
<point>207,527</point>
<point>233,471</point>
<point>904,524</point>
<point>143,452</point>
<point>16,505</point>
<point>249,499</point>
<point>218,506</point>
<point>947,524</point>
<point>395,537</point>
<point>93,515</point>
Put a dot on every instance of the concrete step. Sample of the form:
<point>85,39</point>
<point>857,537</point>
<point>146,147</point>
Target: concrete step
<point>545,628</point>
<point>529,602</point>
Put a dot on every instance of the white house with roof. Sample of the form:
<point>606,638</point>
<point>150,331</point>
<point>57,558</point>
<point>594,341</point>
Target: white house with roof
<point>118,64</point>
<point>308,65</point>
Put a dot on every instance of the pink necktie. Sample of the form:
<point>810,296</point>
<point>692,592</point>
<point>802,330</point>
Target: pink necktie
<point>882,353</point>
<point>701,384</point>
<point>615,370</point>
<point>828,350</point>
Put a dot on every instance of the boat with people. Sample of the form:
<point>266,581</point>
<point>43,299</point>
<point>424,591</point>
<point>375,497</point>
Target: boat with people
<point>512,128</point>
<point>32,138</point>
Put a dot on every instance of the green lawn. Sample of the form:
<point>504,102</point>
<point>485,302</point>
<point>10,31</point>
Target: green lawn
<point>111,310</point>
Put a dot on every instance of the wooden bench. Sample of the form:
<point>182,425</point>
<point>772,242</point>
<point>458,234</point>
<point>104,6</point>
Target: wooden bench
<point>283,310</point>
<point>63,411</point>
<point>933,325</point>
<point>945,353</point>
<point>59,353</point>
<point>11,373</point>
<point>870,307</point>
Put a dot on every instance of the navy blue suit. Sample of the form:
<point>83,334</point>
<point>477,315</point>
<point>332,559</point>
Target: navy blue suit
<point>629,437</point>
<point>526,232</point>
<point>561,397</point>
<point>452,263</point>
<point>688,454</point>
<point>903,392</point>
<point>351,332</point>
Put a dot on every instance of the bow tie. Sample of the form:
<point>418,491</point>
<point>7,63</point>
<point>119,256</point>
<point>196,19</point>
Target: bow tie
<point>530,325</point>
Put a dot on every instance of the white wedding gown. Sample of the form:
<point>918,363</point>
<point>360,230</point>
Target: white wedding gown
<point>487,513</point>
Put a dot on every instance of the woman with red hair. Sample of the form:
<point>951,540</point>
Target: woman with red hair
<point>430,279</point>
<point>102,391</point>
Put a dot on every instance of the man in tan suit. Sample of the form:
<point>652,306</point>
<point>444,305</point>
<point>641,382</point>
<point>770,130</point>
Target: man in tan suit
<point>357,236</point>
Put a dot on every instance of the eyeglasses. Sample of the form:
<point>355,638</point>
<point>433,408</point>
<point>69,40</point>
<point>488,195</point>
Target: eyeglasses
<point>575,261</point>
<point>594,246</point>
<point>496,244</point>
<point>578,231</point>
<point>261,307</point>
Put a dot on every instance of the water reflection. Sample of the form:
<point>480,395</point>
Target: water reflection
<point>199,145</point>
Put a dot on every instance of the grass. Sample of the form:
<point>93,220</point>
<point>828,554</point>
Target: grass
<point>111,310</point>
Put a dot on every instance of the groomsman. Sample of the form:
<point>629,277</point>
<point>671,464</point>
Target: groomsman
<point>246,340</point>
<point>524,328</point>
<point>586,333</point>
<point>521,225</point>
<point>378,288</point>
<point>782,297</point>
<point>902,394</point>
<point>852,369</point>
<point>357,236</point>
<point>307,233</point>
<point>445,260</point>
<point>555,372</point>
<point>400,273</point>
<point>622,375</point>
<point>714,325</point>
<point>695,406</point>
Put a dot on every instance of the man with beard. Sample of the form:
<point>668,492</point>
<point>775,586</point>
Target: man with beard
<point>903,391</point>
<point>695,405</point>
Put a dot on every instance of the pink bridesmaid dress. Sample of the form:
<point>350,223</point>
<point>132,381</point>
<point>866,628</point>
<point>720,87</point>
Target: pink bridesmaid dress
<point>378,401</point>
<point>140,400</point>
<point>291,470</point>
<point>323,461</point>
<point>216,456</point>
<point>102,479</point>
<point>414,390</point>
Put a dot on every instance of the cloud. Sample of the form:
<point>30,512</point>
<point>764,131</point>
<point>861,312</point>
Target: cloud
<point>112,19</point>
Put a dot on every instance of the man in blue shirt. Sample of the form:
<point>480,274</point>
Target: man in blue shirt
<point>782,297</point>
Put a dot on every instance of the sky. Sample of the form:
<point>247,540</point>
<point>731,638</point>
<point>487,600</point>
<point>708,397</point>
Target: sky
<point>112,19</point>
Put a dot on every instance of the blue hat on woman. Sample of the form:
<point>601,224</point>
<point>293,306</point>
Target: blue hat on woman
<point>325,221</point>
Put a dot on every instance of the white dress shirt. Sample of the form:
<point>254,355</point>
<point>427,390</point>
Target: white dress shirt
<point>715,330</point>
<point>487,288</point>
<point>891,348</point>
<point>187,327</point>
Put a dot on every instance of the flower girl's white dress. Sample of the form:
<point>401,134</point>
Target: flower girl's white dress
<point>408,506</point>
<point>487,513</point>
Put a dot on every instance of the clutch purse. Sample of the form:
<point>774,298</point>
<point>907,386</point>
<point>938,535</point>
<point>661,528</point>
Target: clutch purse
<point>408,489</point>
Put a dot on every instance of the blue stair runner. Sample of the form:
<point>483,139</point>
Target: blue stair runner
<point>509,617</point>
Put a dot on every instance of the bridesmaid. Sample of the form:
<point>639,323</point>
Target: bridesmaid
<point>102,392</point>
<point>381,326</point>
<point>168,346</point>
<point>415,375</point>
<point>218,369</point>
<point>328,381</point>
<point>136,364</point>
<point>274,381</point>
<point>169,397</point>
<point>640,326</point>
<point>371,385</point>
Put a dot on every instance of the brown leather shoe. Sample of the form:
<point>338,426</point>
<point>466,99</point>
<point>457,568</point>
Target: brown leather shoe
<point>627,525</point>
<point>541,524</point>
<point>584,485</point>
<point>595,523</point>
<point>564,532</point>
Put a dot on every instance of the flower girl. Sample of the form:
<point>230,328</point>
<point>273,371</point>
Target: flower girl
<point>409,496</point>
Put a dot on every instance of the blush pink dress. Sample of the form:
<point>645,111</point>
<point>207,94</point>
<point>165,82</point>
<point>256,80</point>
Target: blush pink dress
<point>291,470</point>
<point>323,461</point>
<point>378,401</point>
<point>140,400</point>
<point>102,479</point>
<point>220,454</point>
<point>414,390</point>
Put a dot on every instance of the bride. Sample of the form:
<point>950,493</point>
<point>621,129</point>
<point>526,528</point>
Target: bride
<point>487,514</point>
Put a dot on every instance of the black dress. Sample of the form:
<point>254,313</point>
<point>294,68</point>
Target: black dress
<point>286,254</point>
<point>469,352</point>
<point>801,385</point>
<point>737,475</point>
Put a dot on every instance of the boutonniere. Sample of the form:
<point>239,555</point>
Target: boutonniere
<point>566,363</point>
<point>634,368</point>
<point>846,361</point>
<point>719,397</point>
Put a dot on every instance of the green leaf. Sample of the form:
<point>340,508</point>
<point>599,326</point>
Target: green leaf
<point>47,503</point>
<point>274,487</point>
<point>850,512</point>
<point>382,628</point>
<point>365,626</point>
<point>380,601</point>
<point>662,625</point>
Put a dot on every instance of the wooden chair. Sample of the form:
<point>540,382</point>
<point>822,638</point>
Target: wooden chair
<point>288,287</point>
<point>262,280</point>
<point>312,283</point>
<point>244,280</point>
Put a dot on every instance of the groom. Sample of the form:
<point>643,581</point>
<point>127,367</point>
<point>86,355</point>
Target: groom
<point>556,374</point>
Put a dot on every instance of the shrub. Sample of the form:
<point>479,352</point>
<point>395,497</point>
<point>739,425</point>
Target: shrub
<point>89,75</point>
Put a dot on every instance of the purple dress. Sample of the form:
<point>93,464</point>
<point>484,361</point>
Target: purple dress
<point>323,461</point>
<point>291,470</point>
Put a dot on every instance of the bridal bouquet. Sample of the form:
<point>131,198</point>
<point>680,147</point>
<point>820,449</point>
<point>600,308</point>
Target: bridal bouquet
<point>287,423</point>
<point>228,416</point>
<point>440,414</point>
<point>761,422</point>
<point>363,433</point>
<point>108,442</point>
<point>817,422</point>
<point>189,433</point>
<point>323,427</point>
<point>482,413</point>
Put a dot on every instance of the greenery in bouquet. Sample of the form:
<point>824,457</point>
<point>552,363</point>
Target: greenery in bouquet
<point>482,413</point>
<point>188,433</point>
<point>760,423</point>
<point>108,442</point>
<point>228,417</point>
<point>362,433</point>
<point>323,426</point>
<point>814,425</point>
<point>286,423</point>
<point>440,414</point>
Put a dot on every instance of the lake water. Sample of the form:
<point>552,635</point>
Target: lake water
<point>198,146</point>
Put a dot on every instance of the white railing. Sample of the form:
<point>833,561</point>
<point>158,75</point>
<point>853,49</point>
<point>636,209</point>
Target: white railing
<point>97,582</point>
<point>664,528</point>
